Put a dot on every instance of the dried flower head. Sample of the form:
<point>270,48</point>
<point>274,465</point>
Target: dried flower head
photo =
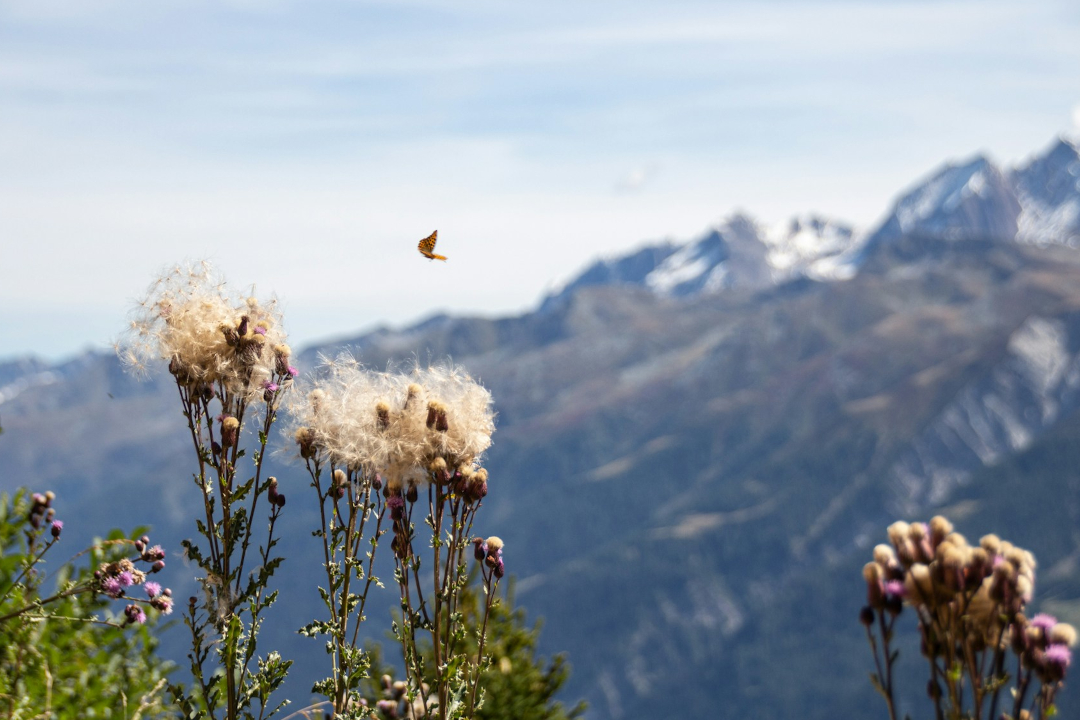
<point>396,425</point>
<point>206,336</point>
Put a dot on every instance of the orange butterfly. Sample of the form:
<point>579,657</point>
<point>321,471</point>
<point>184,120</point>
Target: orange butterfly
<point>427,247</point>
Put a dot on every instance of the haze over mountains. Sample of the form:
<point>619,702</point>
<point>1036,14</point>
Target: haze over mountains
<point>699,443</point>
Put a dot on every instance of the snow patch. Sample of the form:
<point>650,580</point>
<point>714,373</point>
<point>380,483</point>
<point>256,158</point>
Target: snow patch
<point>685,265</point>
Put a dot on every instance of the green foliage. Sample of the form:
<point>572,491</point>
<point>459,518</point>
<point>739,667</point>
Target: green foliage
<point>68,656</point>
<point>516,683</point>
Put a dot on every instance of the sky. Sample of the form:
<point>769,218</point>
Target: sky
<point>306,147</point>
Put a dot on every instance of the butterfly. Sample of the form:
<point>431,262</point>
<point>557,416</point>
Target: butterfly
<point>427,247</point>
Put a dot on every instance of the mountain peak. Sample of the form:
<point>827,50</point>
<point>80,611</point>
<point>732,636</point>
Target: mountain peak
<point>968,200</point>
<point>1048,188</point>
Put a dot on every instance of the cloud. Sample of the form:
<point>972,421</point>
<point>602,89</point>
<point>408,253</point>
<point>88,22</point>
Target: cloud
<point>637,178</point>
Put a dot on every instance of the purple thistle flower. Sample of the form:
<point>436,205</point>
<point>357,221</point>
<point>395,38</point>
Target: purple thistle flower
<point>126,578</point>
<point>293,371</point>
<point>395,501</point>
<point>155,553</point>
<point>895,588</point>
<point>57,527</point>
<point>1059,655</point>
<point>269,386</point>
<point>1044,622</point>
<point>153,589</point>
<point>260,330</point>
<point>112,587</point>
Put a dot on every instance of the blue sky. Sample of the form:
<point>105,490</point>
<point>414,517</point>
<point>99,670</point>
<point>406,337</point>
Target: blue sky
<point>307,146</point>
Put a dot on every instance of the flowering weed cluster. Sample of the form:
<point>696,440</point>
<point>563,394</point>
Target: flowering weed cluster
<point>39,631</point>
<point>379,448</point>
<point>383,450</point>
<point>231,364</point>
<point>970,604</point>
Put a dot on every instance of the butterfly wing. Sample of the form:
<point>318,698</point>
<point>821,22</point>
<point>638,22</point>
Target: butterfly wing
<point>427,247</point>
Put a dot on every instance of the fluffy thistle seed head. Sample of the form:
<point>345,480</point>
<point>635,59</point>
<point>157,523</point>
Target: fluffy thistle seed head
<point>1063,634</point>
<point>206,335</point>
<point>396,425</point>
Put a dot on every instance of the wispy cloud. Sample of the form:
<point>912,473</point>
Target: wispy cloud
<point>308,144</point>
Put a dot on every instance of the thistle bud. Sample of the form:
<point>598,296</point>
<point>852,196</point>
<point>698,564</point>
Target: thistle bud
<point>476,487</point>
<point>875,588</point>
<point>230,431</point>
<point>272,491</point>
<point>280,500</point>
<point>990,543</point>
<point>940,527</point>
<point>305,438</point>
<point>437,468</point>
<point>281,359</point>
<point>412,494</point>
<point>57,527</point>
<point>866,616</point>
<point>884,555</point>
<point>918,584</point>
<point>382,412</point>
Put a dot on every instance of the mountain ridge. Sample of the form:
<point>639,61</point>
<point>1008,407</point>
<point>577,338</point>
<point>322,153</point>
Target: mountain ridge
<point>1037,201</point>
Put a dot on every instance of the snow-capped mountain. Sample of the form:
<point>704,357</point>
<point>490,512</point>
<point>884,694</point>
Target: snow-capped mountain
<point>1037,202</point>
<point>738,253</point>
<point>813,246</point>
<point>970,200</point>
<point>1048,189</point>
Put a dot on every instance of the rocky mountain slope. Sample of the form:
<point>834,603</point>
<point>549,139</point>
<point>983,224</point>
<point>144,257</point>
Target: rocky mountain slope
<point>698,445</point>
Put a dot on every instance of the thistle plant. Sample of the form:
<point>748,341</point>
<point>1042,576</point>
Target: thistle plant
<point>48,637</point>
<point>382,451</point>
<point>983,651</point>
<point>231,365</point>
